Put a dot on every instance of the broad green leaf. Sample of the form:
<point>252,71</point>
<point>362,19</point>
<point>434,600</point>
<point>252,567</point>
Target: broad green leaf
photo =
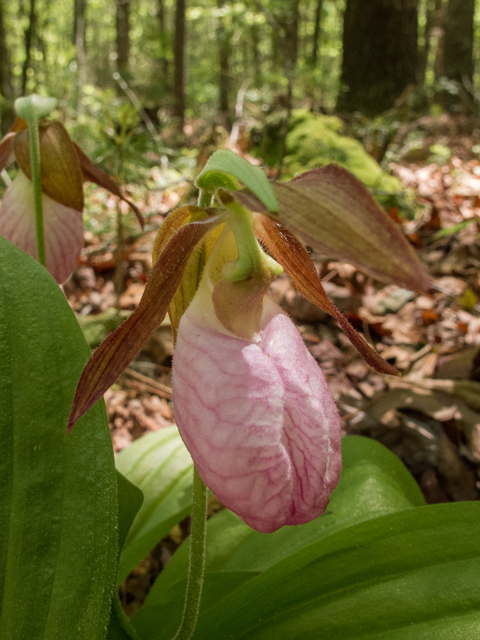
<point>130,500</point>
<point>224,164</point>
<point>162,620</point>
<point>334,213</point>
<point>58,500</point>
<point>161,467</point>
<point>410,575</point>
<point>373,482</point>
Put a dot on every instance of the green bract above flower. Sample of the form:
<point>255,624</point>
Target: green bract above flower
<point>189,234</point>
<point>64,169</point>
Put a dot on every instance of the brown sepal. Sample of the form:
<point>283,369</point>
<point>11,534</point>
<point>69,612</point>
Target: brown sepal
<point>19,125</point>
<point>334,213</point>
<point>6,149</point>
<point>96,175</point>
<point>193,271</point>
<point>119,349</point>
<point>294,258</point>
<point>6,143</point>
<point>59,166</point>
<point>173,222</point>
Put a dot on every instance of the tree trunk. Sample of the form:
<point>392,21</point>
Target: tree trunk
<point>163,40</point>
<point>288,21</point>
<point>5,70</point>
<point>179,61</point>
<point>316,34</point>
<point>380,54</point>
<point>458,54</point>
<point>6,111</point>
<point>79,35</point>
<point>29,34</point>
<point>122,23</point>
<point>257,71</point>
<point>224,64</point>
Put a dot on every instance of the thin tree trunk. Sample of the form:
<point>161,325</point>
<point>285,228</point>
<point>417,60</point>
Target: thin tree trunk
<point>438,27</point>
<point>122,21</point>
<point>316,34</point>
<point>29,34</point>
<point>458,53</point>
<point>179,61</point>
<point>79,34</point>
<point>5,70</point>
<point>257,72</point>
<point>224,63</point>
<point>289,23</point>
<point>163,40</point>
<point>6,112</point>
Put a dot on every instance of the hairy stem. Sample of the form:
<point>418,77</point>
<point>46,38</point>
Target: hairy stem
<point>37,188</point>
<point>196,567</point>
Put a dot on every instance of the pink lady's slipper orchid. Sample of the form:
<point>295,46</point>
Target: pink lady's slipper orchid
<point>64,168</point>
<point>251,404</point>
<point>255,411</point>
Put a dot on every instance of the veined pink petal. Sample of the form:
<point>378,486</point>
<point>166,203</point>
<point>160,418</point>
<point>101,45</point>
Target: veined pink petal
<point>258,419</point>
<point>63,227</point>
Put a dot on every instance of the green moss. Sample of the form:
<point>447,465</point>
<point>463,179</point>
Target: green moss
<point>315,140</point>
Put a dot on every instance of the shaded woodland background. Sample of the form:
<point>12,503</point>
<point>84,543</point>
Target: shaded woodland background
<point>387,88</point>
<point>192,58</point>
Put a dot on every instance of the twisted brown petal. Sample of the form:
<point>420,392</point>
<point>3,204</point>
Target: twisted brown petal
<point>60,169</point>
<point>294,258</point>
<point>119,349</point>
<point>334,213</point>
<point>96,175</point>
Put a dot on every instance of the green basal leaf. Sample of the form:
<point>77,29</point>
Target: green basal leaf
<point>58,502</point>
<point>374,482</point>
<point>33,108</point>
<point>130,500</point>
<point>224,164</point>
<point>153,623</point>
<point>414,574</point>
<point>161,467</point>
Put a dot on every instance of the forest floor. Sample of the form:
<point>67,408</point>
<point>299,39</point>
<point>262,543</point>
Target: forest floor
<point>429,416</point>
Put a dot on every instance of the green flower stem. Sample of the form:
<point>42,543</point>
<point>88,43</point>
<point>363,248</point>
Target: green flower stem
<point>204,199</point>
<point>32,109</point>
<point>251,258</point>
<point>37,188</point>
<point>196,567</point>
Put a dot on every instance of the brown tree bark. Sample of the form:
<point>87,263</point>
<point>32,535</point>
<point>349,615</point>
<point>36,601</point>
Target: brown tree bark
<point>458,53</point>
<point>257,70</point>
<point>316,33</point>
<point>122,23</point>
<point>288,21</point>
<point>79,40</point>
<point>380,54</point>
<point>224,64</point>
<point>5,71</point>
<point>179,62</point>
<point>29,35</point>
<point>162,36</point>
<point>6,90</point>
